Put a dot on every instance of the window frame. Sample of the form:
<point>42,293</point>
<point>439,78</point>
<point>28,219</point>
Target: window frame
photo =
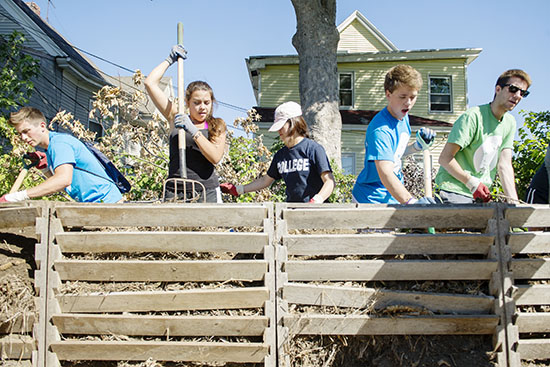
<point>353,157</point>
<point>450,94</point>
<point>352,75</point>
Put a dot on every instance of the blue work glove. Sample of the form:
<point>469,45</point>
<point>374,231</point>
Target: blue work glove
<point>175,52</point>
<point>182,121</point>
<point>424,138</point>
<point>425,200</point>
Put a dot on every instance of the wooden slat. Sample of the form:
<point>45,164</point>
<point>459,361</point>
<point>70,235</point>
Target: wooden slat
<point>533,322</point>
<point>381,216</point>
<point>528,215</point>
<point>388,244</point>
<point>530,242</point>
<point>534,349</point>
<point>178,215</point>
<point>20,324</point>
<point>199,299</point>
<point>160,325</point>
<point>16,346</point>
<point>18,217</point>
<point>160,351</point>
<point>531,268</point>
<point>166,271</point>
<point>320,295</point>
<point>405,325</point>
<point>369,270</point>
<point>98,242</point>
<point>532,295</point>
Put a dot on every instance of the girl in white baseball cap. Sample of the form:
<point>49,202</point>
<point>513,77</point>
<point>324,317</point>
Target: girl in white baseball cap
<point>302,163</point>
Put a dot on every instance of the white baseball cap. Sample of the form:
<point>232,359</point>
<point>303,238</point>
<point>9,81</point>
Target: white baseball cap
<point>284,112</point>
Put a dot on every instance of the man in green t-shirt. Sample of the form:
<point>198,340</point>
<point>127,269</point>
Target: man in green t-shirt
<point>481,141</point>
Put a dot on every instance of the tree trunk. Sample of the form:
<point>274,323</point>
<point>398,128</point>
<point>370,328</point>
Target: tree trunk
<point>316,41</point>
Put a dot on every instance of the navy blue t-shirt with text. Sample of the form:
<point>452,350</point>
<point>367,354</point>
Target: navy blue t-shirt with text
<point>300,167</point>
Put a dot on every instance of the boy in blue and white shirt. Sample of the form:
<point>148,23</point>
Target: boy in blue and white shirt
<point>387,141</point>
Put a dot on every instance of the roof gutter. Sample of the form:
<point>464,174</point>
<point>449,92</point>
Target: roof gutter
<point>67,64</point>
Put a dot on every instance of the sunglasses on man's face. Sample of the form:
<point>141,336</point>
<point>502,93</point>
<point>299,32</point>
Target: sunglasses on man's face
<point>513,89</point>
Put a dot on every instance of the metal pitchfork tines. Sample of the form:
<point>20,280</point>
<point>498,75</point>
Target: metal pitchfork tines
<point>188,187</point>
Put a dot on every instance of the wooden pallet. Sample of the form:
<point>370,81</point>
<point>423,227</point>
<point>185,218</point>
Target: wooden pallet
<point>195,322</point>
<point>318,247</point>
<point>18,345</point>
<point>529,269</point>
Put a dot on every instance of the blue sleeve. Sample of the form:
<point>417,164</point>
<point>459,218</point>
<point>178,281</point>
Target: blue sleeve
<point>321,160</point>
<point>380,146</point>
<point>272,171</point>
<point>62,153</point>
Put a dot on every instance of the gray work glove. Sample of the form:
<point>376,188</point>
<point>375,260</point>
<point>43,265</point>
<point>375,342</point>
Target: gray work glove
<point>175,52</point>
<point>182,121</point>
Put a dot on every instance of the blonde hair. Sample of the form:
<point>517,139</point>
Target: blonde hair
<point>402,75</point>
<point>216,126</point>
<point>32,115</point>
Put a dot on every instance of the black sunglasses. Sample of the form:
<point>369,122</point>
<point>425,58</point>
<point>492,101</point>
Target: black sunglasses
<point>513,89</point>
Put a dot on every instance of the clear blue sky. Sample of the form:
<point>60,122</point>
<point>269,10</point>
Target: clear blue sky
<point>220,34</point>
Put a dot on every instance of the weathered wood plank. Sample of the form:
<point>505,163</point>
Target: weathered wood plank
<point>160,325</point>
<point>387,216</point>
<point>369,270</point>
<point>533,322</point>
<point>20,324</point>
<point>531,215</point>
<point>98,242</point>
<point>530,268</point>
<point>16,346</point>
<point>167,271</point>
<point>388,244</point>
<point>405,325</point>
<point>538,294</point>
<point>177,215</point>
<point>160,351</point>
<point>534,349</point>
<point>530,242</point>
<point>18,217</point>
<point>197,299</point>
<point>321,295</point>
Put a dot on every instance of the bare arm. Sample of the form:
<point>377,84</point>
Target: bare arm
<point>391,182</point>
<point>152,85</point>
<point>62,177</point>
<point>328,185</point>
<point>211,150</point>
<point>447,160</point>
<point>259,183</point>
<point>506,174</point>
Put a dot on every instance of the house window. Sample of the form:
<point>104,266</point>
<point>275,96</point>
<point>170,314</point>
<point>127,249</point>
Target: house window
<point>93,124</point>
<point>345,88</point>
<point>440,94</point>
<point>348,163</point>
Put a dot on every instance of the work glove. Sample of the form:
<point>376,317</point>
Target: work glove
<point>478,189</point>
<point>38,159</point>
<point>182,121</point>
<point>14,197</point>
<point>175,52</point>
<point>424,200</point>
<point>424,138</point>
<point>229,188</point>
<point>317,199</point>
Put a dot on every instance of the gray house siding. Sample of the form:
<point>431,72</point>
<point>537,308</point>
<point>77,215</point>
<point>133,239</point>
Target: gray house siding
<point>66,81</point>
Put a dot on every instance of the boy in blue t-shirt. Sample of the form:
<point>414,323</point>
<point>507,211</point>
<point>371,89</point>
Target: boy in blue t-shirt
<point>387,141</point>
<point>73,167</point>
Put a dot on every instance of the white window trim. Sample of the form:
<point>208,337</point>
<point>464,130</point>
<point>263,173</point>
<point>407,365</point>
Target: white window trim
<point>352,90</point>
<point>451,101</point>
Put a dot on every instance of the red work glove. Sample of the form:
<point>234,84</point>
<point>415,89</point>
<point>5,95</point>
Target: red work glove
<point>3,199</point>
<point>482,192</point>
<point>229,188</point>
<point>38,159</point>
